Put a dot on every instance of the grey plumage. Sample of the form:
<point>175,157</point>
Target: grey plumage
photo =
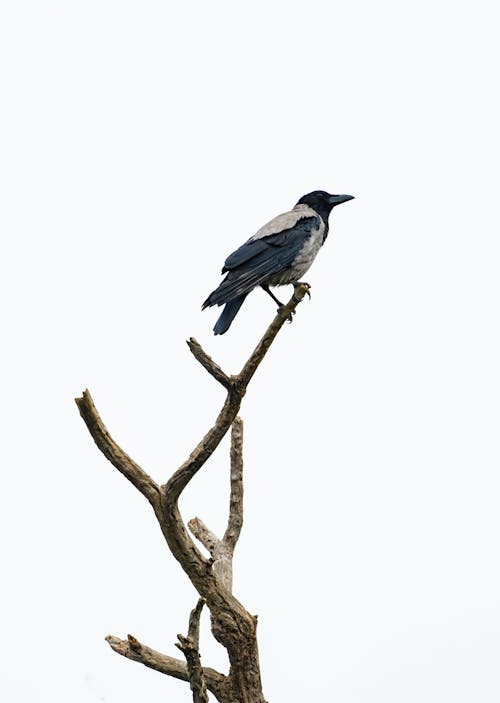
<point>279,253</point>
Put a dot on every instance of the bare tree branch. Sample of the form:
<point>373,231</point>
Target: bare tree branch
<point>208,363</point>
<point>203,534</point>
<point>114,453</point>
<point>222,550</point>
<point>194,623</point>
<point>223,566</point>
<point>189,646</point>
<point>235,522</point>
<point>232,625</point>
<point>181,545</point>
<point>132,649</point>
<point>284,314</point>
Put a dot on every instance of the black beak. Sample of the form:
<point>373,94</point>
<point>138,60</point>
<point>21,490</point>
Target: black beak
<point>338,199</point>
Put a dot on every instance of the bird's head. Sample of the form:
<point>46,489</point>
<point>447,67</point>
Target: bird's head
<point>323,202</point>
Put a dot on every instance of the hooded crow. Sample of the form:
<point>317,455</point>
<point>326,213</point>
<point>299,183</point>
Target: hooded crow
<point>279,253</point>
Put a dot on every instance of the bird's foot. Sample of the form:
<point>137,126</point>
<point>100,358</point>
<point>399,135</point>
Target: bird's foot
<point>290,315</point>
<point>302,283</point>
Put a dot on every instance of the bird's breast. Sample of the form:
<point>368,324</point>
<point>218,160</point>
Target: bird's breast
<point>303,260</point>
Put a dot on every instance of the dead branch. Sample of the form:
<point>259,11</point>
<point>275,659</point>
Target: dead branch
<point>204,535</point>
<point>235,522</point>
<point>208,363</point>
<point>232,625</point>
<point>178,540</point>
<point>190,647</point>
<point>114,453</point>
<point>222,550</point>
<point>132,649</point>
<point>194,623</point>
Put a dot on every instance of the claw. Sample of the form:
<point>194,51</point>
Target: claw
<point>303,283</point>
<point>290,316</point>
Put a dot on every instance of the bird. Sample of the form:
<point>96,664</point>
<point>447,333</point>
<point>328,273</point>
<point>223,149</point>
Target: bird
<point>279,253</point>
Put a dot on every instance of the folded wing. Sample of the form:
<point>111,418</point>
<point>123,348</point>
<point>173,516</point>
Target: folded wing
<point>272,250</point>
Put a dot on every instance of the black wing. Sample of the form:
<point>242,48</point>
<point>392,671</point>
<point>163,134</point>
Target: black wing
<point>258,259</point>
<point>253,247</point>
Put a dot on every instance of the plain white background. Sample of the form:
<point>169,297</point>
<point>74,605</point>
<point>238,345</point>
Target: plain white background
<point>142,142</point>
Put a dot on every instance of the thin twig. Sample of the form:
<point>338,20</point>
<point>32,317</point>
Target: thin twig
<point>189,646</point>
<point>194,623</point>
<point>208,363</point>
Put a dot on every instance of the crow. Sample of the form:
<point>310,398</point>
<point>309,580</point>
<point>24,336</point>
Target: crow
<point>279,253</point>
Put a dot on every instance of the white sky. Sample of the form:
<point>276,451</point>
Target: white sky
<point>142,142</point>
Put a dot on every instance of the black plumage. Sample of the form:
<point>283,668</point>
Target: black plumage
<point>279,253</point>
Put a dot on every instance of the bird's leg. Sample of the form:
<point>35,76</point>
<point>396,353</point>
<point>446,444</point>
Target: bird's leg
<point>303,283</point>
<point>280,304</point>
<point>268,291</point>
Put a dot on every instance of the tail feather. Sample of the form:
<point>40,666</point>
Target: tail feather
<point>228,314</point>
